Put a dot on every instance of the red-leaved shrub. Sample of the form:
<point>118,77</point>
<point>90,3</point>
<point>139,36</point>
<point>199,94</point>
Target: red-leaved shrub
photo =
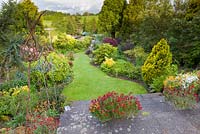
<point>111,41</point>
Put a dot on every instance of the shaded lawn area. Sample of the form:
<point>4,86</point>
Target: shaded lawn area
<point>90,82</point>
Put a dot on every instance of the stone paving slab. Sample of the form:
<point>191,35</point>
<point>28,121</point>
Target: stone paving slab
<point>160,118</point>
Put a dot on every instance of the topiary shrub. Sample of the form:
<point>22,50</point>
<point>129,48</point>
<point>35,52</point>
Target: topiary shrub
<point>104,50</point>
<point>157,62</point>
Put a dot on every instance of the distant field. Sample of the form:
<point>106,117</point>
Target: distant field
<point>47,23</point>
<point>61,21</point>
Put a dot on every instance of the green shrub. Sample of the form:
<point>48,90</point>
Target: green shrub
<point>107,65</point>
<point>18,120</point>
<point>12,102</point>
<point>157,84</point>
<point>84,43</point>
<point>12,84</point>
<point>104,50</point>
<point>55,72</point>
<point>157,62</point>
<point>5,102</point>
<point>137,54</point>
<point>70,55</point>
<point>122,68</point>
<point>64,41</point>
<point>55,97</point>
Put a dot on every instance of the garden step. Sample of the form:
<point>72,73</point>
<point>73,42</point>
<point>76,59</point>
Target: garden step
<point>157,117</point>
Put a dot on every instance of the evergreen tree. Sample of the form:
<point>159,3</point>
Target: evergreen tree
<point>110,17</point>
<point>8,22</point>
<point>193,9</point>
<point>28,9</point>
<point>157,19</point>
<point>158,61</point>
<point>132,17</point>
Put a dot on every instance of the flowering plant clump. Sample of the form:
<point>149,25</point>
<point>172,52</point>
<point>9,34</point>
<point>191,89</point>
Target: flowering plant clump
<point>114,105</point>
<point>111,41</point>
<point>43,124</point>
<point>15,91</point>
<point>182,90</point>
<point>109,62</point>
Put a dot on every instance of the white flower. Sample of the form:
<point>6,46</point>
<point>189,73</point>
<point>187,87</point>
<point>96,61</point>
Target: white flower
<point>187,79</point>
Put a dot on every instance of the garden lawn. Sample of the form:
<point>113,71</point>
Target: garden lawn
<point>90,82</point>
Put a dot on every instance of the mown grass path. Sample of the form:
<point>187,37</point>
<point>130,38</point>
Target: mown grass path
<point>90,82</point>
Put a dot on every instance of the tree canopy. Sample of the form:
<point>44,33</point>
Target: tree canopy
<point>111,15</point>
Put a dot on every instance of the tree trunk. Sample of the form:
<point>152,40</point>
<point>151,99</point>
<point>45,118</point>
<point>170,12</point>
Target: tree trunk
<point>113,34</point>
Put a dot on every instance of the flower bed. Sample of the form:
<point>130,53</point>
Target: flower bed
<point>114,105</point>
<point>182,90</point>
<point>120,68</point>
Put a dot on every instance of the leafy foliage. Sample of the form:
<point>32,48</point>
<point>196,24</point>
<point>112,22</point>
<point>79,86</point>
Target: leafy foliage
<point>137,54</point>
<point>111,41</point>
<point>54,101</point>
<point>146,22</point>
<point>12,99</point>
<point>71,24</point>
<point>157,84</point>
<point>110,17</point>
<point>132,17</point>
<point>157,62</point>
<point>122,68</point>
<point>65,41</point>
<point>185,44</point>
<point>11,56</point>
<point>114,105</point>
<point>104,50</point>
<point>56,71</point>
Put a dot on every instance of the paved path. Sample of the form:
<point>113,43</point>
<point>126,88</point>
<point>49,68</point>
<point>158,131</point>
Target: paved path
<point>157,117</point>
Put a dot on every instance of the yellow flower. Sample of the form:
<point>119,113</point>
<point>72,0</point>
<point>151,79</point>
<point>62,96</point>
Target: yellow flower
<point>16,92</point>
<point>109,62</point>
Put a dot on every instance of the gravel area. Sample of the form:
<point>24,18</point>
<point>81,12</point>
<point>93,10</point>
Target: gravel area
<point>157,117</point>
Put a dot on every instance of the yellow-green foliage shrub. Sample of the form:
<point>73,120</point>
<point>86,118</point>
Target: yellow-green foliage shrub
<point>157,62</point>
<point>105,50</point>
<point>64,41</point>
<point>57,71</point>
<point>13,102</point>
<point>84,43</point>
<point>107,65</point>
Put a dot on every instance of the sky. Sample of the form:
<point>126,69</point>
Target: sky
<point>68,6</point>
